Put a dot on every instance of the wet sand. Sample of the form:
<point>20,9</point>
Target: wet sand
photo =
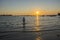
<point>30,35</point>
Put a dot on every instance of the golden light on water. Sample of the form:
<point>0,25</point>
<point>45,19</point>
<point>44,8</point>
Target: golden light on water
<point>37,21</point>
<point>37,28</point>
<point>37,18</point>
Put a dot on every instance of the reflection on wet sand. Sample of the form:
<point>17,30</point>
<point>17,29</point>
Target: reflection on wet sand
<point>38,37</point>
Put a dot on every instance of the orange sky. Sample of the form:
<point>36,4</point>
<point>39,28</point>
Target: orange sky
<point>29,7</point>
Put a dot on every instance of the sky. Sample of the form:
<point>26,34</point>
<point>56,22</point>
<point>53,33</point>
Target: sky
<point>29,7</point>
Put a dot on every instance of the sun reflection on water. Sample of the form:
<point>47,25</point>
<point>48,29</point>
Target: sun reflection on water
<point>37,22</point>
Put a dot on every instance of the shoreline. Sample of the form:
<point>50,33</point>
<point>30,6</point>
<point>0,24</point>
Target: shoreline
<point>31,31</point>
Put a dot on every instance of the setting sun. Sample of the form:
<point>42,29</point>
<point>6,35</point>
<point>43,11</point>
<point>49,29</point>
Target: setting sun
<point>37,12</point>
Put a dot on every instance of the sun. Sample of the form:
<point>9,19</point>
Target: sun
<point>37,12</point>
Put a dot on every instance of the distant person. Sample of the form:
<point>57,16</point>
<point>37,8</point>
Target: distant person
<point>23,22</point>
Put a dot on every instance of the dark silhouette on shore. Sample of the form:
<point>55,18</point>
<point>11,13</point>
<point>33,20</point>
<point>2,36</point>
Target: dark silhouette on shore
<point>23,22</point>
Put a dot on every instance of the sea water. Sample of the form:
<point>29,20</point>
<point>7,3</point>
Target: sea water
<point>15,23</point>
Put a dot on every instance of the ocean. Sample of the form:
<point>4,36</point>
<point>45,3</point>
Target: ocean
<point>34,28</point>
<point>32,23</point>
